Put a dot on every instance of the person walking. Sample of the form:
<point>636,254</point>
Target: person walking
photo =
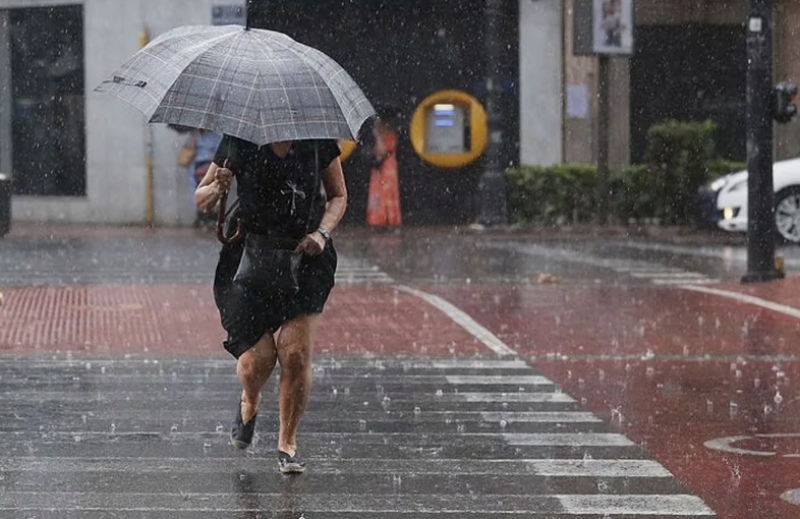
<point>292,194</point>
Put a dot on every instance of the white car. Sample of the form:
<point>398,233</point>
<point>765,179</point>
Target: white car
<point>732,200</point>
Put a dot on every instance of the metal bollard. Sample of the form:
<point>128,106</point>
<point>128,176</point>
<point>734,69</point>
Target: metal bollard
<point>5,204</point>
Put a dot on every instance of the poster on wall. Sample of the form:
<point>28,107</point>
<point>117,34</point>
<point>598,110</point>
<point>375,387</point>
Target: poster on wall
<point>613,26</point>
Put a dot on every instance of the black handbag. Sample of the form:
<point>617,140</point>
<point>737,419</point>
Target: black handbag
<point>270,264</point>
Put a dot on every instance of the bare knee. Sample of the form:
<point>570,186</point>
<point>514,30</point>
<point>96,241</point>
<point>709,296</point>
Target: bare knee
<point>258,360</point>
<point>295,360</point>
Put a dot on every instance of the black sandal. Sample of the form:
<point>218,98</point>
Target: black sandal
<point>241,433</point>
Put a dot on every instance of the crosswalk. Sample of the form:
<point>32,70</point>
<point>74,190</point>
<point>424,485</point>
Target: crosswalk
<point>640,270</point>
<point>384,437</point>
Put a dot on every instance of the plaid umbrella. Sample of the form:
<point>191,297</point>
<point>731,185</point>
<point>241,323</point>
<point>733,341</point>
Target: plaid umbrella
<point>258,85</point>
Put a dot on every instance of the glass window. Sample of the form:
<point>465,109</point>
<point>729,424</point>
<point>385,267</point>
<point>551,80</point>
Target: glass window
<point>47,109</point>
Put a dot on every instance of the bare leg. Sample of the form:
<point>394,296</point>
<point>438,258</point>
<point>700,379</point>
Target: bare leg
<point>294,353</point>
<point>253,370</point>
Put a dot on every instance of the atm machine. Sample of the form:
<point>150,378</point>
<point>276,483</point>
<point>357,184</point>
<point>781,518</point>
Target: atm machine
<point>449,129</point>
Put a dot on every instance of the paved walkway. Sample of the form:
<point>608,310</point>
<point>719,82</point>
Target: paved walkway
<point>115,400</point>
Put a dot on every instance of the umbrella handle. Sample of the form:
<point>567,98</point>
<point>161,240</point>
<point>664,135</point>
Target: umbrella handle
<point>238,235</point>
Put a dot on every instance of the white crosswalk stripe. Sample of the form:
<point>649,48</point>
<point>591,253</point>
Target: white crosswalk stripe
<point>451,429</point>
<point>651,272</point>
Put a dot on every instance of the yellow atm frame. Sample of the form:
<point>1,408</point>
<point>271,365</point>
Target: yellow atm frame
<point>478,129</point>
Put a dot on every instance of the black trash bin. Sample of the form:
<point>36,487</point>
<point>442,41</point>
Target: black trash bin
<point>5,204</point>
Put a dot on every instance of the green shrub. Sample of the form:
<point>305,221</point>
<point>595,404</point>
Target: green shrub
<point>678,153</point>
<point>632,194</point>
<point>552,194</point>
<point>721,167</point>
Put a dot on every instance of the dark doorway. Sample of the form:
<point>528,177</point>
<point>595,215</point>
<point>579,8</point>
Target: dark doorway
<point>399,52</point>
<point>48,118</point>
<point>690,72</point>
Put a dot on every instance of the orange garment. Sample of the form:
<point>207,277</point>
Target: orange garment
<point>383,205</point>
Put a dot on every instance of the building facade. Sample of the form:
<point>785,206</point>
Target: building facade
<point>79,156</point>
<point>689,63</point>
<point>76,155</point>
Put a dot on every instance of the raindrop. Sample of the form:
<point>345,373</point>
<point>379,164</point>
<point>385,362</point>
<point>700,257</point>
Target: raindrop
<point>601,375</point>
<point>174,428</point>
<point>439,392</point>
<point>709,406</point>
<point>113,428</point>
<point>778,398</point>
<point>335,391</point>
<point>685,351</point>
<point>756,382</point>
<point>650,371</point>
<point>347,391</point>
<point>738,373</point>
<point>220,428</point>
<point>461,428</point>
<point>242,477</point>
<point>362,425</point>
<point>700,320</point>
<point>103,370</point>
<point>206,445</point>
<point>505,405</point>
<point>417,410</point>
<point>503,424</point>
<point>88,366</point>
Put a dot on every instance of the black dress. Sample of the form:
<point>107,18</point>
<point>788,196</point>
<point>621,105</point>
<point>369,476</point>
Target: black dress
<point>282,197</point>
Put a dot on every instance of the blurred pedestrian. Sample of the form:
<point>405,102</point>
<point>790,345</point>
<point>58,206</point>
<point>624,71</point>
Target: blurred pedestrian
<point>383,204</point>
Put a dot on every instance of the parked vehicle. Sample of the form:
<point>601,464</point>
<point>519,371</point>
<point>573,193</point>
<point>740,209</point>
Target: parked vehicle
<point>728,195</point>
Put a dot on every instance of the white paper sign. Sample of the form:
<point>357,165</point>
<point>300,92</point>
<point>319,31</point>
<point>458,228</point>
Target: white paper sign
<point>613,26</point>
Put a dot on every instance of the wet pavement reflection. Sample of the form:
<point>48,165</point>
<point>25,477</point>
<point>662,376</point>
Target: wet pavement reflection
<point>459,374</point>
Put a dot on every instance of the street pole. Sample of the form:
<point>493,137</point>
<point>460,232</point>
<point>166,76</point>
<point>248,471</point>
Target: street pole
<point>760,207</point>
<point>492,186</point>
<point>603,116</point>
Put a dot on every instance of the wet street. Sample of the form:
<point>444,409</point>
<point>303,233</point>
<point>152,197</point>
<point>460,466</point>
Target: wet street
<point>457,374</point>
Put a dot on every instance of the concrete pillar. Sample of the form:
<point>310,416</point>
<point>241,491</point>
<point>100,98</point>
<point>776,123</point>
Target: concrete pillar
<point>541,85</point>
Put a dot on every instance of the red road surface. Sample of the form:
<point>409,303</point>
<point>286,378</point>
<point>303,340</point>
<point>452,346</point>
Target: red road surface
<point>672,370</point>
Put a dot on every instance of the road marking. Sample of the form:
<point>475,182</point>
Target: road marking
<point>532,380</point>
<point>608,505</point>
<point>792,496</point>
<point>489,339</point>
<point>599,468</point>
<point>541,417</point>
<point>745,298</point>
<point>726,444</point>
<point>532,397</point>
<point>568,439</point>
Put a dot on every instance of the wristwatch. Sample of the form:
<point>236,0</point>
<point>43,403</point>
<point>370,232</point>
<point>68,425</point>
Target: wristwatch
<point>325,234</point>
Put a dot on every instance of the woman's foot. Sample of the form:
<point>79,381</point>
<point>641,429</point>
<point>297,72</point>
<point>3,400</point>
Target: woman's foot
<point>290,464</point>
<point>242,432</point>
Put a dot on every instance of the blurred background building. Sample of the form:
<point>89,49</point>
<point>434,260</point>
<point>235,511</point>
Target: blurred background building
<point>82,157</point>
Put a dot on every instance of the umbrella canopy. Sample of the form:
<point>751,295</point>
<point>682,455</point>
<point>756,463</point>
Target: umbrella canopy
<point>258,85</point>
